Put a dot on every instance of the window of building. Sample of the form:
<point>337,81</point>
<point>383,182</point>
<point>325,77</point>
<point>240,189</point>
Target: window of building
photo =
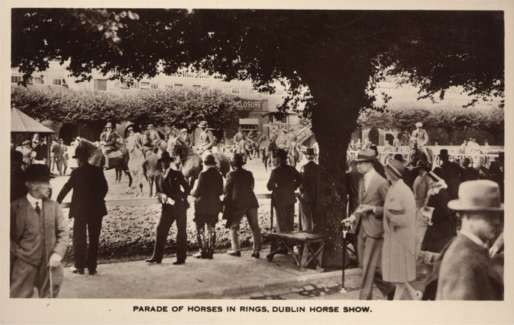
<point>154,86</point>
<point>144,85</point>
<point>100,84</point>
<point>39,80</point>
<point>179,85</point>
<point>57,82</point>
<point>235,91</point>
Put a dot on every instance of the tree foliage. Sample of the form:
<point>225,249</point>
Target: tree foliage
<point>176,108</point>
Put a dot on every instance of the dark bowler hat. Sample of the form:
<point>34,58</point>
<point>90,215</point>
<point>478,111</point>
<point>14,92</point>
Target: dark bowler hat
<point>81,152</point>
<point>238,160</point>
<point>396,167</point>
<point>480,195</point>
<point>209,160</point>
<point>366,155</point>
<point>165,157</point>
<point>37,173</point>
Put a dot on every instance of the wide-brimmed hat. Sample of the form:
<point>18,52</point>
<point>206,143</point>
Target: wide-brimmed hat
<point>37,173</point>
<point>238,160</point>
<point>419,124</point>
<point>366,155</point>
<point>165,157</point>
<point>81,152</point>
<point>396,167</point>
<point>479,195</point>
<point>209,160</point>
<point>108,125</point>
<point>202,124</point>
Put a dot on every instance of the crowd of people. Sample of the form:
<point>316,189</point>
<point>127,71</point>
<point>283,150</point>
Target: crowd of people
<point>397,213</point>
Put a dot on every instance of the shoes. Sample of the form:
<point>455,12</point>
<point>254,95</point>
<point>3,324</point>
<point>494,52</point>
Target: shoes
<point>78,270</point>
<point>93,272</point>
<point>390,295</point>
<point>179,262</point>
<point>235,253</point>
<point>256,255</point>
<point>153,261</point>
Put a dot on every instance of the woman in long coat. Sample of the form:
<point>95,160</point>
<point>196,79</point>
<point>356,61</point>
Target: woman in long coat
<point>399,248</point>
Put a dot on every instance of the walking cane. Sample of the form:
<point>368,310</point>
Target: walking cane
<point>50,277</point>
<point>344,232</point>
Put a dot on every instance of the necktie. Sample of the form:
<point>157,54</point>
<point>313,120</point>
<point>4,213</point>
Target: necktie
<point>38,208</point>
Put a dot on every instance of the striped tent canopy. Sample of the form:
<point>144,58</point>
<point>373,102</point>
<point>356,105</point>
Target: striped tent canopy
<point>22,123</point>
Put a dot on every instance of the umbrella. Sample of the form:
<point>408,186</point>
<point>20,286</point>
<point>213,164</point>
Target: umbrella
<point>22,123</point>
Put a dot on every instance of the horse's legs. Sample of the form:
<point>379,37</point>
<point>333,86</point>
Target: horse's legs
<point>127,172</point>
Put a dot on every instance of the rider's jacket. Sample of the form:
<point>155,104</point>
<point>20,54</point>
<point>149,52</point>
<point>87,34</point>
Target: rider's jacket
<point>421,137</point>
<point>110,140</point>
<point>207,140</point>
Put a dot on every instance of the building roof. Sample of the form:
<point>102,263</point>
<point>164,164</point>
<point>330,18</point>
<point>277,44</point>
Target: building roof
<point>22,123</point>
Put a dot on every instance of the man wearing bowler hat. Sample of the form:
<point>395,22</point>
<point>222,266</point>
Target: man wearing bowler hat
<point>368,219</point>
<point>87,210</point>
<point>172,192</point>
<point>467,272</point>
<point>38,239</point>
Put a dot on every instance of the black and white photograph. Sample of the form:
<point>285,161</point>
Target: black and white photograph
<point>251,155</point>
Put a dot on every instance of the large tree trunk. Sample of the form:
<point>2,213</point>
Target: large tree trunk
<point>339,98</point>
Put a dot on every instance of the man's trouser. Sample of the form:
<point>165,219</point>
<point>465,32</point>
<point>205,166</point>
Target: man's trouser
<point>253,222</point>
<point>168,215</point>
<point>25,277</point>
<point>307,215</point>
<point>370,258</point>
<point>285,223</point>
<point>85,254</point>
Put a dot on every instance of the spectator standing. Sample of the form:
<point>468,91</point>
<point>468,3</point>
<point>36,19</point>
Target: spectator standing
<point>466,271</point>
<point>18,188</point>
<point>468,172</point>
<point>240,201</point>
<point>207,206</point>
<point>450,172</point>
<point>309,192</point>
<point>38,239</point>
<point>87,209</point>
<point>172,192</point>
<point>399,249</point>
<point>421,187</point>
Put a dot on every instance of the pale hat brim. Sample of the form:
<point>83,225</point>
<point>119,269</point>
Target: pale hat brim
<point>458,205</point>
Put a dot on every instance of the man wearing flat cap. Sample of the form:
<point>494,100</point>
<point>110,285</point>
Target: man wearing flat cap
<point>87,209</point>
<point>467,272</point>
<point>368,219</point>
<point>38,239</point>
<point>172,192</point>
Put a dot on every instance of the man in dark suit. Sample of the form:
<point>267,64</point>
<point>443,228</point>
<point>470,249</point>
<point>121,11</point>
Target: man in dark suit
<point>309,192</point>
<point>240,200</point>
<point>18,188</point>
<point>283,182</point>
<point>467,272</point>
<point>450,172</point>
<point>368,219</point>
<point>38,239</point>
<point>87,209</point>
<point>172,192</point>
<point>207,206</point>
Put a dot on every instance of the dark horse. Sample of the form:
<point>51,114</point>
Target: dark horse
<point>97,158</point>
<point>192,164</point>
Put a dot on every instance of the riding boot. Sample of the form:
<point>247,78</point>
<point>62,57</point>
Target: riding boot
<point>212,243</point>
<point>201,242</point>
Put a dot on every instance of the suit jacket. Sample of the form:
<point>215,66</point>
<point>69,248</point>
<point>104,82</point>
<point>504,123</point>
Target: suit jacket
<point>208,191</point>
<point>175,186</point>
<point>420,187</point>
<point>283,182</point>
<point>467,273</point>
<point>239,194</point>
<point>310,182</point>
<point>452,175</point>
<point>26,233</point>
<point>89,189</point>
<point>369,222</point>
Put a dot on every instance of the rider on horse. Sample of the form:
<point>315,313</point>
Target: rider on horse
<point>110,141</point>
<point>207,139</point>
<point>132,138</point>
<point>151,137</point>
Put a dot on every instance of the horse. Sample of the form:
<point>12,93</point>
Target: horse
<point>97,158</point>
<point>136,168</point>
<point>192,164</point>
<point>151,168</point>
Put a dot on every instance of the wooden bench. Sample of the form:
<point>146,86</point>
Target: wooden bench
<point>309,247</point>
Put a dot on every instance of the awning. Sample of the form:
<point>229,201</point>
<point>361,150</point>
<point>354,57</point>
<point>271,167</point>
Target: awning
<point>22,123</point>
<point>248,121</point>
